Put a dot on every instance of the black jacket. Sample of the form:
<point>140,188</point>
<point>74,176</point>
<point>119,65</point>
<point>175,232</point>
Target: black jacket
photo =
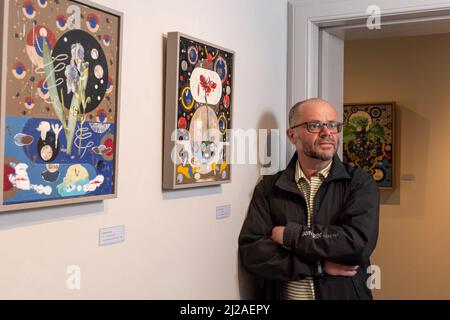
<point>345,231</point>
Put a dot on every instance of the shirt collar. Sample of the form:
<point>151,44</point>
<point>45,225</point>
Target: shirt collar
<point>322,174</point>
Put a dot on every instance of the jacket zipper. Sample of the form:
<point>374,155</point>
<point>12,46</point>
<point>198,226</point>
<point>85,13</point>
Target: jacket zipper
<point>305,222</point>
<point>316,205</point>
<point>317,293</point>
<point>305,205</point>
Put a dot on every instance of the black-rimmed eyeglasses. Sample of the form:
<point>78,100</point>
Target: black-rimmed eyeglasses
<point>317,126</point>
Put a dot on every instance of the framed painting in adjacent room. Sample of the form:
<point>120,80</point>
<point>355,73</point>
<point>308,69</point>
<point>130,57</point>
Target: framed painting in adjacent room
<point>198,113</point>
<point>59,103</point>
<point>369,139</point>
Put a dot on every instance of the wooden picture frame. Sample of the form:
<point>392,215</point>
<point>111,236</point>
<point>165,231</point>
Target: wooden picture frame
<point>369,139</point>
<point>60,97</point>
<point>198,113</point>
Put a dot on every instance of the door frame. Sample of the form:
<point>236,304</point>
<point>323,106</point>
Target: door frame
<point>315,57</point>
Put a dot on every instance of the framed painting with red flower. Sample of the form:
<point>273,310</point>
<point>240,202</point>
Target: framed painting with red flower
<point>369,139</point>
<point>60,103</point>
<point>198,113</point>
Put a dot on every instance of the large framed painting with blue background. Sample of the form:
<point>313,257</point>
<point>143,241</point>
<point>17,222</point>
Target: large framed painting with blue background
<point>198,113</point>
<point>369,139</point>
<point>60,103</point>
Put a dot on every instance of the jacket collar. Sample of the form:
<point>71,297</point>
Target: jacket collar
<point>286,181</point>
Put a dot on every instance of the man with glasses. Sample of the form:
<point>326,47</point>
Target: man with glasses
<point>311,228</point>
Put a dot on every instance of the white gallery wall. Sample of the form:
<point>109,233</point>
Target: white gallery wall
<point>174,247</point>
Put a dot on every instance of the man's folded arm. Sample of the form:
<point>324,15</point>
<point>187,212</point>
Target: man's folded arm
<point>350,243</point>
<point>259,253</point>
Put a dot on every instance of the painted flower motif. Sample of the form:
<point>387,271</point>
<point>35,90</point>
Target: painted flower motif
<point>72,77</point>
<point>77,56</point>
<point>75,71</point>
<point>207,85</point>
<point>77,53</point>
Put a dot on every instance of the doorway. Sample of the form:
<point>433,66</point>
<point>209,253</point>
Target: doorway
<point>414,219</point>
<point>317,31</point>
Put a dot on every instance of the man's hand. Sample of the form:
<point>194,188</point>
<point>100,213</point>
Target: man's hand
<point>335,269</point>
<point>277,235</point>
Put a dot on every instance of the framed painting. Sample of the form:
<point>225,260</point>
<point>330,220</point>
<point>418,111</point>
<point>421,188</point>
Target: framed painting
<point>369,139</point>
<point>198,113</point>
<point>59,103</point>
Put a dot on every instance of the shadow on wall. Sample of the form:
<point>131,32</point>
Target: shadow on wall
<point>31,217</point>
<point>269,143</point>
<point>411,138</point>
<point>250,286</point>
<point>163,98</point>
<point>192,192</point>
<point>392,197</point>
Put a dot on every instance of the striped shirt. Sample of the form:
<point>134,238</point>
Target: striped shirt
<point>304,289</point>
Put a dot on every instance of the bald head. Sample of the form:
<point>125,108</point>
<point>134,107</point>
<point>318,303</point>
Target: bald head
<point>303,109</point>
<point>311,144</point>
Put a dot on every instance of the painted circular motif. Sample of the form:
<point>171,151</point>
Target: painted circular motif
<point>98,72</point>
<point>226,101</point>
<point>378,174</point>
<point>48,148</point>
<point>186,99</point>
<point>223,124</point>
<point>375,113</point>
<point>211,52</point>
<point>9,190</point>
<point>184,65</point>
<point>42,89</point>
<point>182,123</point>
<point>35,44</point>
<point>204,135</point>
<point>92,53</point>
<point>92,21</point>
<point>61,22</point>
<point>221,68</point>
<point>19,70</point>
<point>182,155</point>
<point>109,143</point>
<point>46,153</point>
<point>192,53</point>
<point>42,3</point>
<point>29,10</point>
<point>182,135</point>
<point>29,103</point>
<point>106,39</point>
<point>109,85</point>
